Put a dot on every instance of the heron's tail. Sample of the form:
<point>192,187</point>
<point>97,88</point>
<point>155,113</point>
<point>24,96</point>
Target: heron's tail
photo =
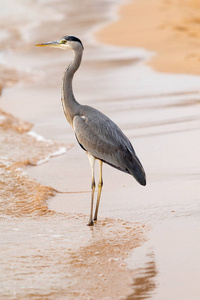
<point>137,171</point>
<point>128,162</point>
<point>135,168</point>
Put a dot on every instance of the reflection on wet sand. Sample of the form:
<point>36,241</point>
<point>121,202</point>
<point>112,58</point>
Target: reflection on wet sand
<point>144,283</point>
<point>102,261</point>
<point>49,265</point>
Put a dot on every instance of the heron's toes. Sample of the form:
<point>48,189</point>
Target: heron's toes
<point>91,223</point>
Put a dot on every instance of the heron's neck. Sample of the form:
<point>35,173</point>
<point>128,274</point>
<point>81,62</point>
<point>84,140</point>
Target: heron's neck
<point>70,105</point>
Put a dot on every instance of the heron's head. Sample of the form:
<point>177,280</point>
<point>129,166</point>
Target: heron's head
<point>66,42</point>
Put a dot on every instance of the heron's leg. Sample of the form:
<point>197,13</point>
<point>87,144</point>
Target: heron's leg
<point>92,163</point>
<point>99,189</point>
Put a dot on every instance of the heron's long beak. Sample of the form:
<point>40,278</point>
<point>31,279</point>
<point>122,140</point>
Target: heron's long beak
<point>50,44</point>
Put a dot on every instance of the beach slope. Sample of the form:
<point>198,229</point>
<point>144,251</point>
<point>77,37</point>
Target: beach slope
<point>171,29</point>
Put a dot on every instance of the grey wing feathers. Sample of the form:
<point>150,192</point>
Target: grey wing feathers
<point>102,138</point>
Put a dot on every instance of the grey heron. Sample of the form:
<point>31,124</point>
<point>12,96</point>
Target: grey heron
<point>98,135</point>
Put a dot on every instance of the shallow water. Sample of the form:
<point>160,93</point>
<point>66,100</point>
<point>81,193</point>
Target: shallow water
<point>47,249</point>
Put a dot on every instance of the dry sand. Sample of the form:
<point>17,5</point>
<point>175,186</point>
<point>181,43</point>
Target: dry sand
<point>171,28</point>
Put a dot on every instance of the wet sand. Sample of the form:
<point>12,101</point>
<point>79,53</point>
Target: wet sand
<point>146,243</point>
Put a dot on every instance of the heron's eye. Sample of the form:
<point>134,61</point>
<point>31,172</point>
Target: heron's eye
<point>63,42</point>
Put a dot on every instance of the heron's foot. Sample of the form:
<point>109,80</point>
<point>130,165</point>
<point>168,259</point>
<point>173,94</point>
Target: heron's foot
<point>91,223</point>
<point>95,219</point>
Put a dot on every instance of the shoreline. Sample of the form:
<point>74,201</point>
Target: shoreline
<point>169,31</point>
<point>39,104</point>
<point>138,226</point>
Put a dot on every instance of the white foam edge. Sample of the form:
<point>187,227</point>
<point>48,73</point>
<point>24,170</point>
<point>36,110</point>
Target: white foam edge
<point>38,137</point>
<point>60,151</point>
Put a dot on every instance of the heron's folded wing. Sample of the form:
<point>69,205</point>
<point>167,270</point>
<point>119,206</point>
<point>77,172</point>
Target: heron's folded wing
<point>103,139</point>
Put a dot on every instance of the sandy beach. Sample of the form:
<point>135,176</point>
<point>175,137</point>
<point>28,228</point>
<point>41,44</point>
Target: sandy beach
<point>146,243</point>
<point>170,29</point>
